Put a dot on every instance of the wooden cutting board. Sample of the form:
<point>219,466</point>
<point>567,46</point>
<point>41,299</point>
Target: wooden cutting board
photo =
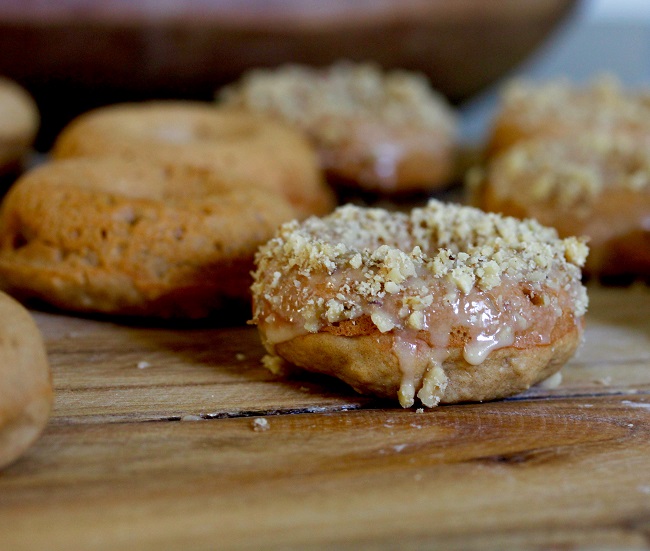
<point>155,443</point>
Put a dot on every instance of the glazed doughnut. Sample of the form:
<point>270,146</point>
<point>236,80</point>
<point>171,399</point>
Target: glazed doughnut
<point>240,147</point>
<point>559,108</point>
<point>133,238</point>
<point>597,186</point>
<point>19,121</point>
<point>25,382</point>
<point>380,132</point>
<point>446,303</point>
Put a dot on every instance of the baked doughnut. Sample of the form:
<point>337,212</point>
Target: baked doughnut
<point>447,303</point>
<point>19,121</point>
<point>25,383</point>
<point>597,186</point>
<point>380,132</point>
<point>239,147</point>
<point>133,238</point>
<point>559,108</point>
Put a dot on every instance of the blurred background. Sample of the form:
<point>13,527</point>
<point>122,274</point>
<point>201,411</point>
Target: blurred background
<point>598,36</point>
<point>73,55</point>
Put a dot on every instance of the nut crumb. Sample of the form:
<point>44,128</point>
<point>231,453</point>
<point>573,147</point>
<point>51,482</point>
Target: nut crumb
<point>274,364</point>
<point>551,382</point>
<point>260,424</point>
<point>240,357</point>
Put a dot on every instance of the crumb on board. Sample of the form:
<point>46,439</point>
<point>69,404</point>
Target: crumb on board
<point>143,365</point>
<point>273,363</point>
<point>260,424</point>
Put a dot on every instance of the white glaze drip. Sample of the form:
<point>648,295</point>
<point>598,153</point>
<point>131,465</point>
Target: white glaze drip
<point>477,349</point>
<point>277,332</point>
<point>407,356</point>
<point>421,368</point>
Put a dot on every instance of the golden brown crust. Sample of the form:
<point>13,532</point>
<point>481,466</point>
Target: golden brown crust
<point>19,121</point>
<point>383,132</point>
<point>237,147</point>
<point>368,364</point>
<point>25,383</point>
<point>481,306</point>
<point>596,185</point>
<point>109,235</point>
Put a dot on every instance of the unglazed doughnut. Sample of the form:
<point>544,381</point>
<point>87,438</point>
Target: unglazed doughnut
<point>19,121</point>
<point>446,304</point>
<point>25,382</point>
<point>133,238</point>
<point>559,108</point>
<point>238,147</point>
<point>382,132</point>
<point>597,186</point>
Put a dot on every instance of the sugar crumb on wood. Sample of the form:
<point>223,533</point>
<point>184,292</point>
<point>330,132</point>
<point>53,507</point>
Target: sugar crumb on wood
<point>260,424</point>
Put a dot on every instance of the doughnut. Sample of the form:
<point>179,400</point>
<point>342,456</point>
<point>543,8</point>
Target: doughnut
<point>25,382</point>
<point>241,147</point>
<point>597,186</point>
<point>374,131</point>
<point>107,235</point>
<point>559,108</point>
<point>19,120</point>
<point>444,304</point>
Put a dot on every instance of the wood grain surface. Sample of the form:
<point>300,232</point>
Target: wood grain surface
<point>154,444</point>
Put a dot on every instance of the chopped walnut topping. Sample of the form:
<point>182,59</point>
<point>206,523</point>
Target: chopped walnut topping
<point>416,320</point>
<point>602,104</point>
<point>359,255</point>
<point>572,172</point>
<point>321,101</point>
